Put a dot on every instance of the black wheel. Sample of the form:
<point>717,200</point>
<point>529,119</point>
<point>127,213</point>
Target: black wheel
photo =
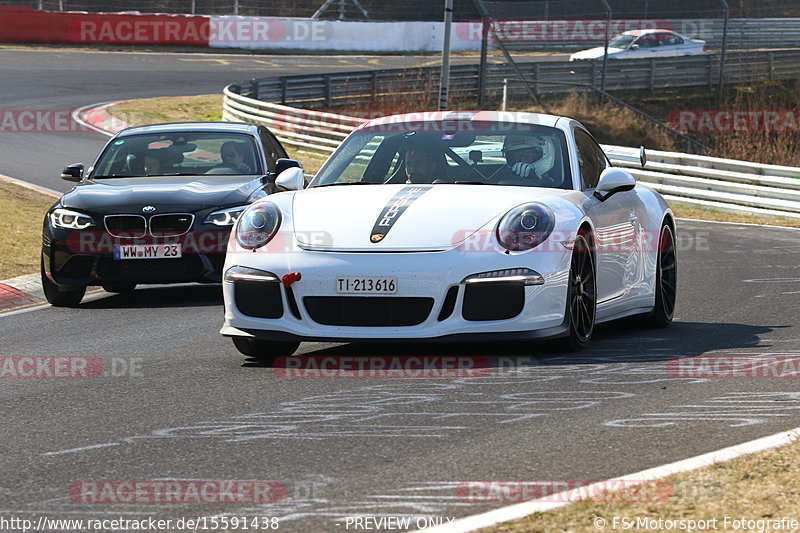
<point>264,351</point>
<point>59,295</point>
<point>581,295</point>
<point>666,281</point>
<point>119,287</point>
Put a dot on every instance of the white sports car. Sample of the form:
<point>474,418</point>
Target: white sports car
<point>450,226</point>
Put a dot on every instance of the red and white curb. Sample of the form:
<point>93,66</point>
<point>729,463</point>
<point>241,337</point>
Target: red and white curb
<point>521,510</point>
<point>96,118</point>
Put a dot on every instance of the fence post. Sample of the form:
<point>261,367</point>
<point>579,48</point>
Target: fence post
<point>652,74</point>
<point>284,89</point>
<point>235,7</point>
<point>254,89</point>
<point>374,88</point>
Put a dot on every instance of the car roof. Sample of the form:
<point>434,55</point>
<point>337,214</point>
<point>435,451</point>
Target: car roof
<point>639,33</point>
<point>170,127</point>
<point>472,116</point>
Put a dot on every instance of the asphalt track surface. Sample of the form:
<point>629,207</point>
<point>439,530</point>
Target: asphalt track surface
<point>193,409</point>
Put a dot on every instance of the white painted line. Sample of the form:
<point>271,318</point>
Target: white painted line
<point>84,448</point>
<point>521,510</point>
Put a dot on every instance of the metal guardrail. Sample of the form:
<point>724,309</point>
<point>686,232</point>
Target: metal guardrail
<point>723,184</point>
<point>368,87</point>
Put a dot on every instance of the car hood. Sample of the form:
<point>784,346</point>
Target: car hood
<point>596,53</point>
<point>403,217</point>
<point>173,193</point>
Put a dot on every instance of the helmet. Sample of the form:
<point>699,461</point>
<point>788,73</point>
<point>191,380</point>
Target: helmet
<point>518,142</point>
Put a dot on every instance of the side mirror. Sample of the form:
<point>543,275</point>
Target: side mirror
<point>634,47</point>
<point>642,156</point>
<point>291,179</point>
<point>282,164</point>
<point>613,180</point>
<point>73,172</point>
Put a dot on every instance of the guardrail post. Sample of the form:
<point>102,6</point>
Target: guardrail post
<point>652,74</point>
<point>771,66</point>
<point>374,92</point>
<point>284,89</point>
<point>254,89</point>
<point>328,97</point>
<point>536,78</point>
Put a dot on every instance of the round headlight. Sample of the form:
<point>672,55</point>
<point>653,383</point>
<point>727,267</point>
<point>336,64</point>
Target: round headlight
<point>258,225</point>
<point>525,227</point>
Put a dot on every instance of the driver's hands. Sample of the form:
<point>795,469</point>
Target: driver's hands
<point>244,167</point>
<point>524,170</point>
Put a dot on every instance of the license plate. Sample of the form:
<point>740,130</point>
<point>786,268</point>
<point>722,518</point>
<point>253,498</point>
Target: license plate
<point>366,285</point>
<point>147,251</point>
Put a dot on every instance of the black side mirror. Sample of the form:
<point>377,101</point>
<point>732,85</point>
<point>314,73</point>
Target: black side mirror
<point>73,172</point>
<point>282,164</point>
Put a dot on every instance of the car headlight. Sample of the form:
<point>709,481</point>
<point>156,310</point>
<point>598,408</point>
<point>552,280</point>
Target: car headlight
<point>258,225</point>
<point>225,217</point>
<point>525,227</point>
<point>66,218</point>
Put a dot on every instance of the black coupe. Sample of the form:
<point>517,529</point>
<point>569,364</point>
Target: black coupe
<point>157,206</point>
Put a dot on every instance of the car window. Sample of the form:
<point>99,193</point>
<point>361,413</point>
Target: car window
<point>178,153</point>
<point>671,39</point>
<point>436,153</point>
<point>647,41</point>
<point>272,148</point>
<point>591,159</point>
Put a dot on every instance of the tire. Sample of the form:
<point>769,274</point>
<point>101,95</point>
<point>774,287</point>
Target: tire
<point>666,283</point>
<point>60,295</point>
<point>581,308</point>
<point>264,351</point>
<point>119,287</point>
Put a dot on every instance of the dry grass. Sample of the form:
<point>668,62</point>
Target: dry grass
<point>688,211</point>
<point>764,485</point>
<point>21,235</point>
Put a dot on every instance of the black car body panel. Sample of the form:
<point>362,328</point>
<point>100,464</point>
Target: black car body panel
<point>154,210</point>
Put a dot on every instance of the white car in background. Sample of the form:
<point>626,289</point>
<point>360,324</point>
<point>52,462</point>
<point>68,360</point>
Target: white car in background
<point>642,44</point>
<point>476,247</point>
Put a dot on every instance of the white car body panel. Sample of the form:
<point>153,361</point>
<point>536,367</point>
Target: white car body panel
<point>444,236</point>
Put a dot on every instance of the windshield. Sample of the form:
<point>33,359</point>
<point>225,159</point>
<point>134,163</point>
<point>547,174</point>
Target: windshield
<point>177,154</point>
<point>621,41</point>
<point>486,153</point>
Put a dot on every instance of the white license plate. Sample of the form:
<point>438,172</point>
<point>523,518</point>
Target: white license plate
<point>147,251</point>
<point>366,285</point>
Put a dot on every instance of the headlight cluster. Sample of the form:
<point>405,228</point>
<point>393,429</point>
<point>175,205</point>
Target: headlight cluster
<point>225,217</point>
<point>66,218</point>
<point>525,227</point>
<point>258,225</point>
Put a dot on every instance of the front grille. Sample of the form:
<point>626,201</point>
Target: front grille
<point>367,311</point>
<point>170,225</point>
<point>126,226</point>
<point>493,301</point>
<point>186,268</point>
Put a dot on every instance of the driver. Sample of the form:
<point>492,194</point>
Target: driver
<point>422,163</point>
<point>521,152</point>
